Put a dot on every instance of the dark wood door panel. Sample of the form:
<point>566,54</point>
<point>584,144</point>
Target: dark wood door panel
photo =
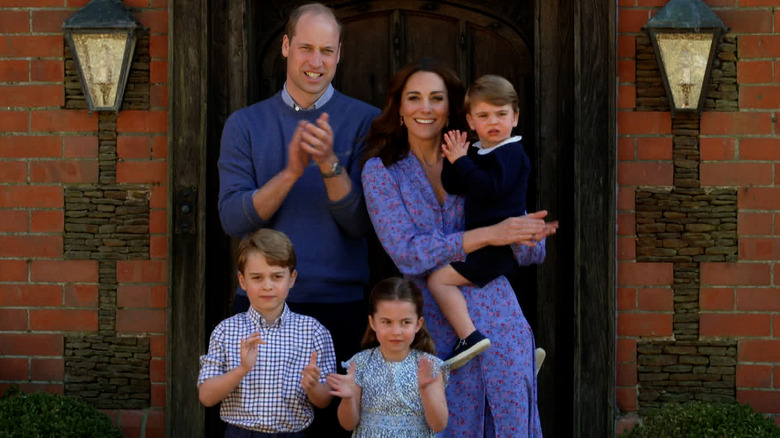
<point>367,56</point>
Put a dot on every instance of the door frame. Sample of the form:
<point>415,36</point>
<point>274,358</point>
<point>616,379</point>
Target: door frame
<point>576,138</point>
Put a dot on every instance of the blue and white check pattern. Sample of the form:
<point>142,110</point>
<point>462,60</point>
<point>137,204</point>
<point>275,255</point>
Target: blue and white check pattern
<point>270,398</point>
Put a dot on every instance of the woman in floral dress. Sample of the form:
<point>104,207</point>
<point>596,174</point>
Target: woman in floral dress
<point>422,228</point>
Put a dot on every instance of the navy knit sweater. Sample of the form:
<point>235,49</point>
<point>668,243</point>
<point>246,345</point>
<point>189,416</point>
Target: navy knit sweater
<point>494,184</point>
<point>328,236</point>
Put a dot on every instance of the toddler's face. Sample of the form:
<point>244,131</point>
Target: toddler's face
<point>395,323</point>
<point>493,123</point>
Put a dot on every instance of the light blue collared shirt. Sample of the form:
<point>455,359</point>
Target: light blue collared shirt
<point>318,104</point>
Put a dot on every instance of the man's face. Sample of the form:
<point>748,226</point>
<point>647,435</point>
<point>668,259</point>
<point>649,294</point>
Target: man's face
<point>312,56</point>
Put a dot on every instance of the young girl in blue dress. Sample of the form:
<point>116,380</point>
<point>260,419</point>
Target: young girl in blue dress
<point>395,387</point>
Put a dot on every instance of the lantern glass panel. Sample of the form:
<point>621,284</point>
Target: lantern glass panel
<point>685,57</point>
<point>101,56</point>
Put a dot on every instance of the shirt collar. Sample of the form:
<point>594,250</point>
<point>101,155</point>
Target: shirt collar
<point>258,321</point>
<point>318,104</point>
<point>487,151</point>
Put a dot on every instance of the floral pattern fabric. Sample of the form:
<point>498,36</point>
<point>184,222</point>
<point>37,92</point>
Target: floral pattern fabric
<point>494,395</point>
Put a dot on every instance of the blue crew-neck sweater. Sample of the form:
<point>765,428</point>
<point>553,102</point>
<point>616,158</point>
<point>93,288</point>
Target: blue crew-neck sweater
<point>328,236</point>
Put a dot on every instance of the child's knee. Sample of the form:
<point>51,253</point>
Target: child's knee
<point>437,278</point>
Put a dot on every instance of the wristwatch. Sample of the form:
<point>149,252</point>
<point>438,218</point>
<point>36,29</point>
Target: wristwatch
<point>334,171</point>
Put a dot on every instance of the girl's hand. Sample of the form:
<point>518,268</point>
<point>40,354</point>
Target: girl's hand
<point>425,373</point>
<point>310,375</point>
<point>455,145</point>
<point>344,386</point>
<point>249,348</point>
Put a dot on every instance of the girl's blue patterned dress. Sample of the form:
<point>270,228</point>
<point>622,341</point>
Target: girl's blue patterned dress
<point>391,406</point>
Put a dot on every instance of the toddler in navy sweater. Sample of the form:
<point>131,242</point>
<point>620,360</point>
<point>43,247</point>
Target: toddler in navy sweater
<point>493,177</point>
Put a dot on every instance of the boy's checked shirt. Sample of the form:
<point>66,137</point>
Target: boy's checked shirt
<point>270,398</point>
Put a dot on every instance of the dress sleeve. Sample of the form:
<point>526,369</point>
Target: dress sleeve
<point>439,366</point>
<point>530,255</point>
<point>360,366</point>
<point>415,246</point>
<point>350,211</point>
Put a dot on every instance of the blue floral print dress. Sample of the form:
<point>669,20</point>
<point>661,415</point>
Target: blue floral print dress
<point>494,395</point>
<point>391,405</point>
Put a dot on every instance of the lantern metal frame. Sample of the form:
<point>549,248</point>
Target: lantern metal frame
<point>101,18</point>
<point>685,17</point>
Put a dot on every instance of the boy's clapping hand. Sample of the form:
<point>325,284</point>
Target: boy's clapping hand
<point>249,347</point>
<point>342,385</point>
<point>310,375</point>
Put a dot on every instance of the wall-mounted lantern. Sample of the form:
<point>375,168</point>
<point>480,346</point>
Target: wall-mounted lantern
<point>685,36</point>
<point>102,37</point>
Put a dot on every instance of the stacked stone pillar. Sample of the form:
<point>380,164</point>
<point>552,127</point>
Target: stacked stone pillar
<point>108,222</point>
<point>686,225</point>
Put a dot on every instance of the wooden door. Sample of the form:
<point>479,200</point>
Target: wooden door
<point>560,54</point>
<point>380,37</point>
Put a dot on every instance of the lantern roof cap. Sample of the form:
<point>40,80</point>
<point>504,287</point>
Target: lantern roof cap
<point>101,14</point>
<point>685,14</point>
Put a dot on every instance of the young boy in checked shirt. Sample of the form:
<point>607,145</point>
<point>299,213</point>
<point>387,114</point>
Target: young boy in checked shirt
<point>267,365</point>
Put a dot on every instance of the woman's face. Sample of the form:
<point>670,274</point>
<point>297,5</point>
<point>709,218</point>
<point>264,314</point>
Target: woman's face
<point>424,107</point>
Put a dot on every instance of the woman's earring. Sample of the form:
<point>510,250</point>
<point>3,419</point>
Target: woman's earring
<point>402,120</point>
<point>447,123</point>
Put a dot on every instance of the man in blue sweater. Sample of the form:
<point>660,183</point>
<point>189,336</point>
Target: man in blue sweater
<point>292,163</point>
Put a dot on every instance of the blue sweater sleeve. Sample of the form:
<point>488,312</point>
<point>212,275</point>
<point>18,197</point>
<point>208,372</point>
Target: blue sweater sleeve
<point>350,212</point>
<point>237,181</point>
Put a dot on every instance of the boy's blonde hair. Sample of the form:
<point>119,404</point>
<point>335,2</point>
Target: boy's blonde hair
<point>274,245</point>
<point>494,90</point>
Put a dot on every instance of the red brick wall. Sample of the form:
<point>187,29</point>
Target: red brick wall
<point>739,149</point>
<point>44,297</point>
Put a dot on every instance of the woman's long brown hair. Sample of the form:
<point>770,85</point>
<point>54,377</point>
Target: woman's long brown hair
<point>387,138</point>
<point>398,289</point>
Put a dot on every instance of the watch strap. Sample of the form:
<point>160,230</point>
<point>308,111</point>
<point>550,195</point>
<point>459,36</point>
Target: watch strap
<point>336,170</point>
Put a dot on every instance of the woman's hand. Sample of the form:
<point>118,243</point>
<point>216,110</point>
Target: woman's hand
<point>455,145</point>
<point>526,230</point>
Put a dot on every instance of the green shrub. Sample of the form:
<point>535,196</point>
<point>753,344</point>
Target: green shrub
<point>48,415</point>
<point>705,420</point>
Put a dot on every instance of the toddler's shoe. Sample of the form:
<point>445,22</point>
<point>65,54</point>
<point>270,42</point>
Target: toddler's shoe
<point>466,349</point>
<point>540,355</point>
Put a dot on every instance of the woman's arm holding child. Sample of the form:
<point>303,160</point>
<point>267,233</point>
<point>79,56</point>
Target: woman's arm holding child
<point>432,392</point>
<point>318,392</point>
<point>344,386</point>
<point>215,389</point>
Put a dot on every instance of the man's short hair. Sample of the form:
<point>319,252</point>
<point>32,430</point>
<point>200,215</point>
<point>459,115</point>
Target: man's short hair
<point>274,245</point>
<point>314,8</point>
<point>494,90</point>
